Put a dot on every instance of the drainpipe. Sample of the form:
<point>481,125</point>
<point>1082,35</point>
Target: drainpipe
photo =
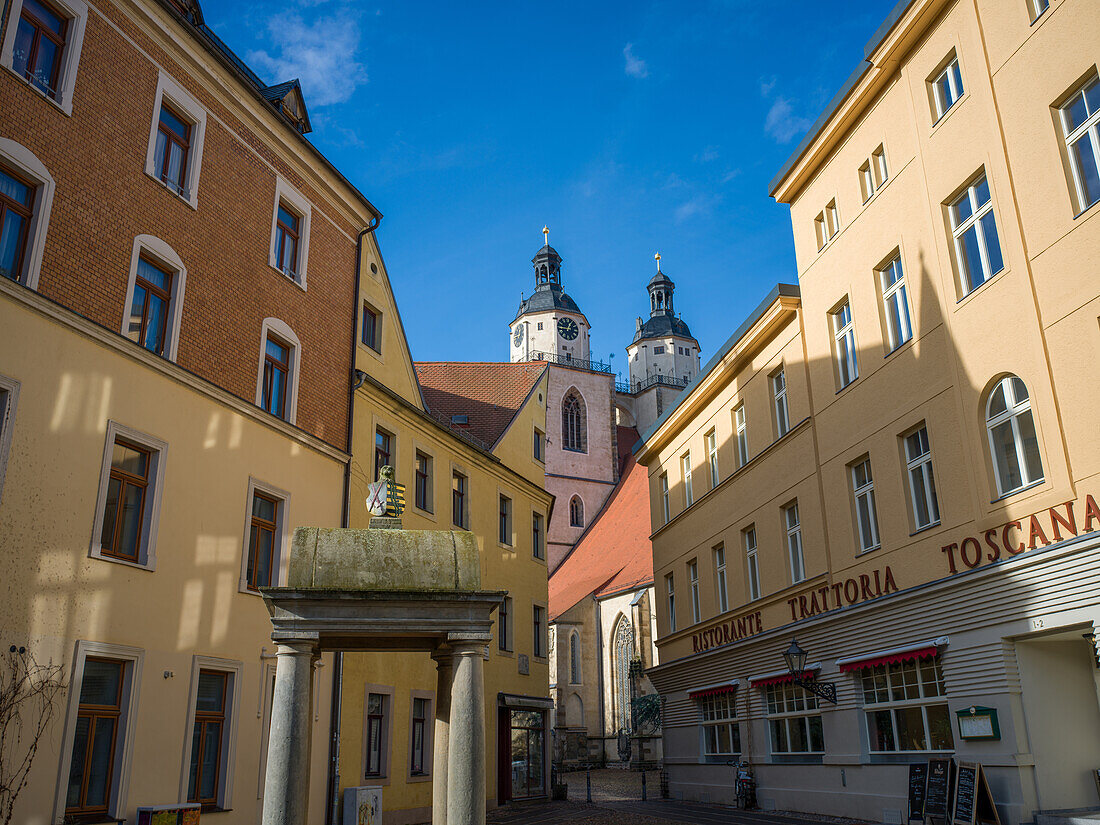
<point>357,379</point>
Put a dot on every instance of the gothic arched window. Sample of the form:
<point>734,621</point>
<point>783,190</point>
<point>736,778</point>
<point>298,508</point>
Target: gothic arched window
<point>576,512</point>
<point>1013,443</point>
<point>573,427</point>
<point>574,659</point>
<point>623,652</point>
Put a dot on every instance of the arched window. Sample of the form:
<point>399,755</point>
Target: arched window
<point>576,512</point>
<point>623,651</point>
<point>573,427</point>
<point>1013,444</point>
<point>574,659</point>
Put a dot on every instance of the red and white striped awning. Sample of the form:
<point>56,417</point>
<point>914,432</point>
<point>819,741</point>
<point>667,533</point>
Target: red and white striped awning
<point>893,656</point>
<point>782,677</point>
<point>714,690</point>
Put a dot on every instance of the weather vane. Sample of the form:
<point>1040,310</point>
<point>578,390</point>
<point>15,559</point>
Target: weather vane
<point>657,258</point>
<point>546,235</point>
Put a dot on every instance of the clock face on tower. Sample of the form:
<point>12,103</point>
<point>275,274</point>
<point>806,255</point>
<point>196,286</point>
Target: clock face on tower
<point>517,339</point>
<point>567,328</point>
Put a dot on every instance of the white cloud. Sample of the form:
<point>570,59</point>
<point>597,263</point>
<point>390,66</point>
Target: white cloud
<point>707,155</point>
<point>698,205</point>
<point>782,123</point>
<point>323,53</point>
<point>635,67</point>
<point>766,85</point>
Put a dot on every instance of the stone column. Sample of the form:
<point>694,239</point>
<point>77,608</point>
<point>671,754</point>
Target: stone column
<point>286,787</point>
<point>466,745</point>
<point>441,741</point>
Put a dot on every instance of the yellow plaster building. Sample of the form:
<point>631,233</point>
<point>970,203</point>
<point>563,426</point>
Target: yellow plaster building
<point>898,460</point>
<point>467,441</point>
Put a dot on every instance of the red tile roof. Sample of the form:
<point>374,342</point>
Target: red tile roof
<point>614,554</point>
<point>489,393</point>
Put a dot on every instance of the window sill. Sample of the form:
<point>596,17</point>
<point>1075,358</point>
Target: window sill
<point>797,758</point>
<point>908,341</point>
<point>954,108</point>
<point>414,778</point>
<point>539,560</point>
<point>1086,210</point>
<point>191,200</point>
<point>903,757</point>
<point>925,529</point>
<point>995,276</point>
<point>842,389</point>
<point>1019,490</point>
<point>299,281</point>
<point>97,553</point>
<point>65,110</point>
<point>508,654</point>
<point>868,551</point>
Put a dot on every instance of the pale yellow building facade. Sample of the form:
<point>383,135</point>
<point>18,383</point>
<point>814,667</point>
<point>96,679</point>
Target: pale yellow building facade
<point>454,479</point>
<point>907,452</point>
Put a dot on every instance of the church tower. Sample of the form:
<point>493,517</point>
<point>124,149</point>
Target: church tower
<point>663,357</point>
<point>549,323</point>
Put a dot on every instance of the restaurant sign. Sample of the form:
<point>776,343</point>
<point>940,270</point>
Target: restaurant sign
<point>861,588</point>
<point>1046,527</point>
<point>726,632</point>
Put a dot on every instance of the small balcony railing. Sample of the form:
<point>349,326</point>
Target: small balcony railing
<point>634,387</point>
<point>565,360</point>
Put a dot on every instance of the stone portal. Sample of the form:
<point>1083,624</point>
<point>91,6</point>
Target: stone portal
<point>382,590</point>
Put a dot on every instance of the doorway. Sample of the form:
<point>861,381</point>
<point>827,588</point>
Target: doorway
<point>1061,698</point>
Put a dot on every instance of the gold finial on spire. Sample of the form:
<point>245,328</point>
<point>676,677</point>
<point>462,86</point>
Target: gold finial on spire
<point>657,258</point>
<point>545,235</point>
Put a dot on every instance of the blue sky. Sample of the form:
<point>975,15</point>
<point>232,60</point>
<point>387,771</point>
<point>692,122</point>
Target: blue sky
<point>626,127</point>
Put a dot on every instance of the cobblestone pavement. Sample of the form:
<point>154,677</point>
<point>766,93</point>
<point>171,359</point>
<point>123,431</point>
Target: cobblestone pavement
<point>616,800</point>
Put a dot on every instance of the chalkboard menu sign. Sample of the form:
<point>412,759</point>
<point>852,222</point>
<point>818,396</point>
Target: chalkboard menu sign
<point>973,799</point>
<point>939,791</point>
<point>966,793</point>
<point>918,778</point>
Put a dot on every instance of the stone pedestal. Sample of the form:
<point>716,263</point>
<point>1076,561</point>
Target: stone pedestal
<point>466,746</point>
<point>286,787</point>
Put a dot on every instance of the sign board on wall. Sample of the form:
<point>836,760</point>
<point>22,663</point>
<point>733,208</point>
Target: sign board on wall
<point>978,723</point>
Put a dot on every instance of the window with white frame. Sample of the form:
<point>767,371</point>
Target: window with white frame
<point>794,720</point>
<point>866,181</point>
<point>878,166</point>
<point>131,481</point>
<point>26,196</point>
<point>1080,117</point>
<point>290,224</point>
<point>779,396</point>
<point>215,694</point>
<point>693,581</point>
<point>752,562</point>
<point>712,457</point>
<point>947,87</point>
<point>685,470</point>
<point>277,379</point>
<point>906,707</point>
<point>820,232</point>
<point>663,481</point>
<point>863,492</point>
<point>42,46</point>
<point>974,230</point>
<point>9,399</point>
<point>99,732</point>
<point>741,428</point>
<point>1036,8</point>
<point>832,219</point>
<point>670,590</point>
<point>844,345</point>
<point>895,303</point>
<point>922,482</point>
<point>794,542</point>
<point>721,732</point>
<point>720,578</point>
<point>154,297</point>
<point>176,136</point>
<point>1013,443</point>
